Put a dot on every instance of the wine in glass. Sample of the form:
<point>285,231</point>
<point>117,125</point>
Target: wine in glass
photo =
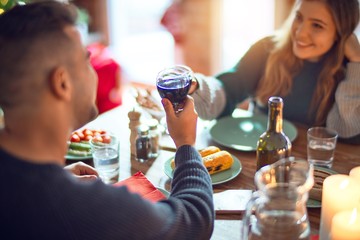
<point>174,83</point>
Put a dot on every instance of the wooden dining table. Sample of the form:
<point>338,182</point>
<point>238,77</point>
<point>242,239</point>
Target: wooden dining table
<point>227,224</point>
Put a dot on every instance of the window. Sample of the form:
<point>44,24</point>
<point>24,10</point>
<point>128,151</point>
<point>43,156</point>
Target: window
<point>143,47</point>
<point>140,44</point>
<point>244,23</point>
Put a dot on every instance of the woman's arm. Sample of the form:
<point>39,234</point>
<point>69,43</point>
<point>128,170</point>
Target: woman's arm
<point>209,98</point>
<point>219,95</point>
<point>344,116</point>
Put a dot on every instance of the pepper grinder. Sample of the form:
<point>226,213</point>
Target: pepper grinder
<point>134,123</point>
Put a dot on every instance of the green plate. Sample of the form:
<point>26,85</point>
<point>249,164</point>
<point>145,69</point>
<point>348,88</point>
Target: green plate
<point>312,203</point>
<point>77,158</point>
<point>242,133</point>
<point>216,178</point>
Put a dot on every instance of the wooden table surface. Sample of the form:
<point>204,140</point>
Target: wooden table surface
<point>227,226</point>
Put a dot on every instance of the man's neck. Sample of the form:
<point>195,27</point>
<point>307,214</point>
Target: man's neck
<point>30,142</point>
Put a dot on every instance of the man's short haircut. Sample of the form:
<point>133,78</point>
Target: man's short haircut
<point>32,43</point>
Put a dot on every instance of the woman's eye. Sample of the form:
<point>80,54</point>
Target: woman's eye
<point>318,26</point>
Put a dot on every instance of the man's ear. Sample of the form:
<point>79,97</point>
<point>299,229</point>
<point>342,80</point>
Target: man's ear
<point>60,83</point>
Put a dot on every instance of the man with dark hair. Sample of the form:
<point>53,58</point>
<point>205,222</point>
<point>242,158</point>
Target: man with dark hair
<point>47,90</point>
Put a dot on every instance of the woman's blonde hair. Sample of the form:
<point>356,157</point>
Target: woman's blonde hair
<point>282,65</point>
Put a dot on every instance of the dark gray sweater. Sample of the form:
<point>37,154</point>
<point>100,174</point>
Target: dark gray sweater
<point>219,95</point>
<point>46,202</point>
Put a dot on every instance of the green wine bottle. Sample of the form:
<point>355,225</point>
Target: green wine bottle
<point>273,144</point>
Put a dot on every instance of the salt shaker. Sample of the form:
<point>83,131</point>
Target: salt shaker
<point>154,135</point>
<point>143,146</point>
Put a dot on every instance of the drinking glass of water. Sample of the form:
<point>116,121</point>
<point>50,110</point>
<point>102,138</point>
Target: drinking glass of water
<point>105,152</point>
<point>174,83</point>
<point>321,143</point>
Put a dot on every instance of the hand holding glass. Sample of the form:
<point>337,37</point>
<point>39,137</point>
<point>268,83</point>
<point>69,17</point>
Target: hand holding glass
<point>105,152</point>
<point>174,83</point>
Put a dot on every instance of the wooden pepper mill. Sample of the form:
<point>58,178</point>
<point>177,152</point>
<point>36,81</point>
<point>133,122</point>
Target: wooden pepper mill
<point>134,123</point>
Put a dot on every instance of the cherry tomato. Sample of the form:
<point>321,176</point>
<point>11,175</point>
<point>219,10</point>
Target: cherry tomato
<point>106,139</point>
<point>75,138</point>
<point>80,134</point>
<point>96,133</point>
<point>87,132</point>
<point>98,139</point>
<point>102,132</point>
<point>88,138</point>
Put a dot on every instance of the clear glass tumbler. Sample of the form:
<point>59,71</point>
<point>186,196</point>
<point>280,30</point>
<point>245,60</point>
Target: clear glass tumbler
<point>105,152</point>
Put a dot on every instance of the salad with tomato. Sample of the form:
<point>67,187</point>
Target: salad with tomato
<point>79,141</point>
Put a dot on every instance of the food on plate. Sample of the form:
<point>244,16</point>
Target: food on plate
<point>203,152</point>
<point>319,177</point>
<point>214,159</point>
<point>146,100</point>
<point>209,150</point>
<point>81,146</point>
<point>149,103</point>
<point>79,141</point>
<point>218,162</point>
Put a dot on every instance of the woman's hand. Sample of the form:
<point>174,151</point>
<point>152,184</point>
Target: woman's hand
<point>352,48</point>
<point>181,126</point>
<point>82,171</point>
<point>194,86</point>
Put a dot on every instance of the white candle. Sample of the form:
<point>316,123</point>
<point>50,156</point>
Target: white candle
<point>355,173</point>
<point>346,225</point>
<point>340,192</point>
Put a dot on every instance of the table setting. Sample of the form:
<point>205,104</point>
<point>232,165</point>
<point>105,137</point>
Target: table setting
<point>237,135</point>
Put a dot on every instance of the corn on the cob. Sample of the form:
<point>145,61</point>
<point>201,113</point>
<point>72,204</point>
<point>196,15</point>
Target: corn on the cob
<point>216,160</point>
<point>204,152</point>
<point>209,150</point>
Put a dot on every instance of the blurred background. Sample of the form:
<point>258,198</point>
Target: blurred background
<point>207,35</point>
<point>132,40</point>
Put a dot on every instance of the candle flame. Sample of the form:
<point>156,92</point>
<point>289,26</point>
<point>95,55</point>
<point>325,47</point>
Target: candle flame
<point>353,216</point>
<point>344,183</point>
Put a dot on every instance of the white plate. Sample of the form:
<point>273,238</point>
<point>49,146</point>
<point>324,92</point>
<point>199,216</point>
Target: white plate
<point>216,178</point>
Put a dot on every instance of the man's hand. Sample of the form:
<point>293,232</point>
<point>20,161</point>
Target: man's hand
<point>82,171</point>
<point>181,126</point>
<point>352,48</point>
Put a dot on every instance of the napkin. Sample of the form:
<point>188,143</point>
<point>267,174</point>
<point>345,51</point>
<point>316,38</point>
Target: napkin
<point>138,183</point>
<point>231,201</point>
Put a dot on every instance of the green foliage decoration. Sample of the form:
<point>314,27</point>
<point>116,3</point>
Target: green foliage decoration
<point>7,4</point>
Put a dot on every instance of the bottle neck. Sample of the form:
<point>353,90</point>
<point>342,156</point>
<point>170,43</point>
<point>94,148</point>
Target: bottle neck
<point>275,120</point>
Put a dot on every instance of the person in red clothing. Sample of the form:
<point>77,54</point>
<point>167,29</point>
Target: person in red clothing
<point>109,77</point>
<point>171,20</point>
